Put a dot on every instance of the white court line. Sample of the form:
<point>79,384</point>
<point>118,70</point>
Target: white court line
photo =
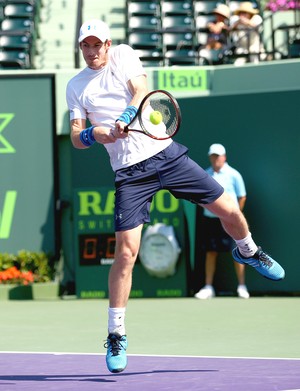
<point>158,355</point>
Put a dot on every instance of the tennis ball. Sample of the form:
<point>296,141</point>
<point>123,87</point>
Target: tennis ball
<point>155,117</point>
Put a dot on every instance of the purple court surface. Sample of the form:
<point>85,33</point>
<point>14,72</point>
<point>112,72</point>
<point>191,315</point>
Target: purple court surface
<point>87,372</point>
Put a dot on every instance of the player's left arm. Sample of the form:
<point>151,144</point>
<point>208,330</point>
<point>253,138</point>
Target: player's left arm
<point>139,89</point>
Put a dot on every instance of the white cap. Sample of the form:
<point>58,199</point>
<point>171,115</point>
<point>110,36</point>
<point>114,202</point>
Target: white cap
<point>96,28</point>
<point>216,149</point>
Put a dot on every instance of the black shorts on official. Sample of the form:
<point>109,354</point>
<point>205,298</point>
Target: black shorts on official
<point>214,236</point>
<point>171,170</point>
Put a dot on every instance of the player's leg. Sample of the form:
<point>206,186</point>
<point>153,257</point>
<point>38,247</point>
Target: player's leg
<point>120,280</point>
<point>189,181</point>
<point>120,276</point>
<point>133,198</point>
<point>246,252</point>
<point>232,219</point>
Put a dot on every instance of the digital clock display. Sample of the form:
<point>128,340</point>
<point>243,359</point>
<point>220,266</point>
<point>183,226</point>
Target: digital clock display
<point>97,249</point>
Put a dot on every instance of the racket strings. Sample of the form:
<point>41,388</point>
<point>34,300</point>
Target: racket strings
<point>165,105</point>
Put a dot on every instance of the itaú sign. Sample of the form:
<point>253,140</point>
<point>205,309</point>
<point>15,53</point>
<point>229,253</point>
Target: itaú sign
<point>182,80</point>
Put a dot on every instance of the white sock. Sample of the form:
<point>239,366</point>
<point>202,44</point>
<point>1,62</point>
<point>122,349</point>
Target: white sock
<point>116,321</point>
<point>246,246</point>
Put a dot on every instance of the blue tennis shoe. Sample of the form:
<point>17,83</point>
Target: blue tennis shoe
<point>262,262</point>
<point>116,359</point>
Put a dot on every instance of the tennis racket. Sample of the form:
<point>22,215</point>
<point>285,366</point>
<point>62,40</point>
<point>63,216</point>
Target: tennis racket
<point>167,115</point>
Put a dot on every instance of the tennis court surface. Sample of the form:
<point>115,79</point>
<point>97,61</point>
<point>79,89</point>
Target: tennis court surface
<point>29,371</point>
<point>225,344</point>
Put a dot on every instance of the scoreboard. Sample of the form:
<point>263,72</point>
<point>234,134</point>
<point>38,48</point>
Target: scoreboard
<point>94,244</point>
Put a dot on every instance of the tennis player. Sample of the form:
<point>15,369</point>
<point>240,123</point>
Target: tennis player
<point>108,92</point>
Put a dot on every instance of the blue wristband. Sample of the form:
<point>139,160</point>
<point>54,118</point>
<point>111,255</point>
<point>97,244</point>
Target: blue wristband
<point>87,137</point>
<point>128,114</point>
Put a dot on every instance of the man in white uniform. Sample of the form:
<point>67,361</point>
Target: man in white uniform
<point>108,93</point>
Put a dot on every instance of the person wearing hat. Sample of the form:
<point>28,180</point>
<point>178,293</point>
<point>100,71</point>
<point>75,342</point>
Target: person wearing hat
<point>217,38</point>
<point>245,25</point>
<point>215,239</point>
<point>108,92</point>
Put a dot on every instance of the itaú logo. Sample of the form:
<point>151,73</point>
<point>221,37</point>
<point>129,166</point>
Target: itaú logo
<point>5,146</point>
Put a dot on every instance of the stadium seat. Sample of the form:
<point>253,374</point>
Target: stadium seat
<point>22,10</point>
<point>14,59</point>
<point>202,38</point>
<point>181,57</point>
<point>19,25</point>
<point>234,4</point>
<point>204,7</point>
<point>177,40</point>
<point>144,23</point>
<point>15,41</point>
<point>178,23</point>
<point>294,49</point>
<point>211,57</point>
<point>143,8</point>
<point>179,7</point>
<point>144,40</point>
<point>202,20</point>
<point>150,57</point>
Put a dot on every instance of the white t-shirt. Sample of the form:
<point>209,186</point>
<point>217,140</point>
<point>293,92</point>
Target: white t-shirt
<point>248,37</point>
<point>103,95</point>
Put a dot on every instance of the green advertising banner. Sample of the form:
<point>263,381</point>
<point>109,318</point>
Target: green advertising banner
<point>181,80</point>
<point>94,243</point>
<point>26,164</point>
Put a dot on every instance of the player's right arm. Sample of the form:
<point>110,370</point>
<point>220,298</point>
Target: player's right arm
<point>102,135</point>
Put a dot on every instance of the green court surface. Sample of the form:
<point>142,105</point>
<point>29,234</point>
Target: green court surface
<point>228,327</point>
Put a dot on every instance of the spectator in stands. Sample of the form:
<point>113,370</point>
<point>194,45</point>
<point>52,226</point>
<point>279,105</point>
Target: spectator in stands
<point>215,239</point>
<point>246,25</point>
<point>217,38</point>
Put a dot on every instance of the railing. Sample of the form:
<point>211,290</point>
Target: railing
<point>78,24</point>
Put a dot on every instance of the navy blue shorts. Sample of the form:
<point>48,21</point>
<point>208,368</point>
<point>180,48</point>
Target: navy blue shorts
<point>215,238</point>
<point>171,170</point>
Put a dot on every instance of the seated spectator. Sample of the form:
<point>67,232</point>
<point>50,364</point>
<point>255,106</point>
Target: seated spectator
<point>218,34</point>
<point>246,28</point>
